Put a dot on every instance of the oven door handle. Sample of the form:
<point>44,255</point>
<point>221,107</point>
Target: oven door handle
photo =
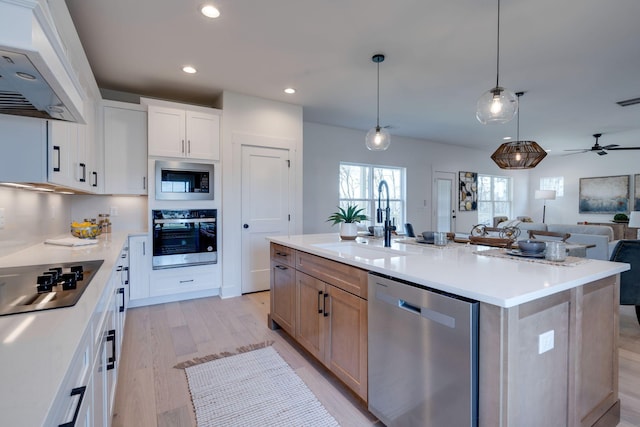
<point>183,220</point>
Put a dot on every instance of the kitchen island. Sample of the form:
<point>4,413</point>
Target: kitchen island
<point>548,333</point>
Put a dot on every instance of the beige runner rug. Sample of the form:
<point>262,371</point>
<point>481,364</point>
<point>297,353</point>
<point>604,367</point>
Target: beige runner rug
<point>256,388</point>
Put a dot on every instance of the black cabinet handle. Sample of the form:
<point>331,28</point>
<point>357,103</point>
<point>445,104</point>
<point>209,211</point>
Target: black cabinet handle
<point>281,254</point>
<point>126,281</point>
<point>281,267</point>
<point>324,305</point>
<point>57,168</point>
<point>245,226</point>
<point>74,392</point>
<point>144,182</point>
<point>84,172</point>
<point>319,302</point>
<point>121,291</point>
<point>95,179</point>
<point>111,362</point>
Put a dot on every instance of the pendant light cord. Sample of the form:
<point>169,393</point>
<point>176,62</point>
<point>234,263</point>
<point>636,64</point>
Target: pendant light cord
<point>498,50</point>
<point>378,101</point>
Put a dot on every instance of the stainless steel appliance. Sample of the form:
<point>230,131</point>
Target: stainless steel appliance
<point>184,237</point>
<point>177,180</point>
<point>423,355</point>
<point>44,287</point>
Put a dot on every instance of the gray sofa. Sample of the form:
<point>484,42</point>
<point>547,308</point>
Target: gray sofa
<point>599,235</point>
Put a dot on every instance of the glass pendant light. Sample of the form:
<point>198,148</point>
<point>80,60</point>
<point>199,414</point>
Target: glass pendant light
<point>497,105</point>
<point>518,154</point>
<point>378,139</point>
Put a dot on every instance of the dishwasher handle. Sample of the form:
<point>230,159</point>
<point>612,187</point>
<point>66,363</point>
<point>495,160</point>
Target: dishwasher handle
<point>425,312</point>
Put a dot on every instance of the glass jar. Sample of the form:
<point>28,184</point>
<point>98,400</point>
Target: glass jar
<point>556,251</point>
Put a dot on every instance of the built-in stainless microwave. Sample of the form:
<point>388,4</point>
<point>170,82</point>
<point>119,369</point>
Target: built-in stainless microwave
<point>177,180</point>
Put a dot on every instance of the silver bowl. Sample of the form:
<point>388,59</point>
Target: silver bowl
<point>532,246</point>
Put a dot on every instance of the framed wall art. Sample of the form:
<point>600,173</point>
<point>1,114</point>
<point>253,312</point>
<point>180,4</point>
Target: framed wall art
<point>604,195</point>
<point>468,191</point>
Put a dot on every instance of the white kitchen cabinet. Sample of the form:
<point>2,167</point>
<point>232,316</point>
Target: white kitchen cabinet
<point>75,157</point>
<point>125,148</point>
<point>183,131</point>
<point>180,280</point>
<point>74,402</point>
<point>140,252</point>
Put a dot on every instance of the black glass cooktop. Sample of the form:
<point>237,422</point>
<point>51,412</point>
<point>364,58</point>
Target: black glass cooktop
<point>44,287</point>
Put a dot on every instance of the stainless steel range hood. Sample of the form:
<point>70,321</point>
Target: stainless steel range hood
<point>36,78</point>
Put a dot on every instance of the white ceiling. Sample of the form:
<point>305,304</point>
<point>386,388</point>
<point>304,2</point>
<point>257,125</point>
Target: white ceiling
<point>574,58</point>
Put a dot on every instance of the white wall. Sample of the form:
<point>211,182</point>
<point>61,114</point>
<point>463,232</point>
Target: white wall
<point>132,210</point>
<point>326,146</point>
<point>31,217</point>
<point>564,210</point>
<point>249,115</point>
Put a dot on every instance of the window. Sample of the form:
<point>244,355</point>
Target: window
<point>359,185</point>
<point>553,183</point>
<point>494,198</point>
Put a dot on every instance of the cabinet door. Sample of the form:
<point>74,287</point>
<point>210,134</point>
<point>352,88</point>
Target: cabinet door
<point>63,143</point>
<point>310,318</point>
<point>166,131</point>
<point>283,296</point>
<point>346,352</point>
<point>125,141</point>
<point>203,135</point>
<point>140,261</point>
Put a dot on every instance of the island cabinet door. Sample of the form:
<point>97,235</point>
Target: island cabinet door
<point>283,296</point>
<point>346,341</point>
<point>310,314</point>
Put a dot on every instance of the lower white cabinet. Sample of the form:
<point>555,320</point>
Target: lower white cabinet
<point>179,280</point>
<point>140,252</point>
<point>87,395</point>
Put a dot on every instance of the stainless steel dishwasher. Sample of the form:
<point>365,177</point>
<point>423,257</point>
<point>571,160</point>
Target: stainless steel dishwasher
<point>423,355</point>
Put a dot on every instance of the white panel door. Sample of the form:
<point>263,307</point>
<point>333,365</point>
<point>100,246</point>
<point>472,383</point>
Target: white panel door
<point>265,210</point>
<point>444,191</point>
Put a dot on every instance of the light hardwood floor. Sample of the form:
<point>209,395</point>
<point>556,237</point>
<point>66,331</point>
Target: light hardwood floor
<point>151,392</point>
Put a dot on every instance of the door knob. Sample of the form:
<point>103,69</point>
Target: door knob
<point>245,226</point>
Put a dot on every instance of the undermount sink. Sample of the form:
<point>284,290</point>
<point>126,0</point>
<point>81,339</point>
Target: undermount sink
<point>360,250</point>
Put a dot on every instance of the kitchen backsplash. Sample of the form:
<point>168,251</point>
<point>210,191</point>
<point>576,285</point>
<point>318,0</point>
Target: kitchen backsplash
<point>32,217</point>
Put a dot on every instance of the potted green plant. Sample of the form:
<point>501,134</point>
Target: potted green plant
<point>348,220</point>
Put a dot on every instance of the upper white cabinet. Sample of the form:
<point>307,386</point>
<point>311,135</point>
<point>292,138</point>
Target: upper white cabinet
<point>183,131</point>
<point>125,148</point>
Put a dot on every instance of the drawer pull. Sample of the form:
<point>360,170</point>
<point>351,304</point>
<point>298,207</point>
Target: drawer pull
<point>324,305</point>
<point>186,281</point>
<point>121,308</point>
<point>282,254</point>
<point>111,362</point>
<point>281,267</point>
<point>75,392</point>
<point>319,302</point>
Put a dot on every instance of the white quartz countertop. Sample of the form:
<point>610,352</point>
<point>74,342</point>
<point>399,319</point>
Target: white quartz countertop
<point>455,268</point>
<point>37,348</point>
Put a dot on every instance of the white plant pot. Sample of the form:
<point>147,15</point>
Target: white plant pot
<point>348,230</point>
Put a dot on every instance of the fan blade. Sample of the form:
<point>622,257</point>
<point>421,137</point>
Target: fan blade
<point>625,148</point>
<point>583,150</point>
<point>610,146</point>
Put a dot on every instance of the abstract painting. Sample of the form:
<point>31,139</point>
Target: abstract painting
<point>468,191</point>
<point>604,195</point>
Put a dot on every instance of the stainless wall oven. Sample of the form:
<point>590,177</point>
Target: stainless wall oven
<point>184,237</point>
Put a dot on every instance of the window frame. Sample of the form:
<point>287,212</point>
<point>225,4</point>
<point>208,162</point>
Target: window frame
<point>493,201</point>
<point>370,201</point>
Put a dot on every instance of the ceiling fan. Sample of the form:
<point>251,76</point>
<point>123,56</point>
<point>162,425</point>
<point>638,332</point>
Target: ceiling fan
<point>599,149</point>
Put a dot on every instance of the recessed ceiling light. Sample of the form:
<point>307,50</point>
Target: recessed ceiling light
<point>210,11</point>
<point>189,69</point>
<point>506,138</point>
<point>290,90</point>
